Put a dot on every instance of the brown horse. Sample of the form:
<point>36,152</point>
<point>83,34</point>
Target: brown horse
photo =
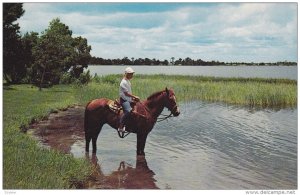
<point>97,113</point>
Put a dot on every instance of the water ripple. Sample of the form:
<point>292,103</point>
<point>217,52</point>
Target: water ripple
<point>241,148</point>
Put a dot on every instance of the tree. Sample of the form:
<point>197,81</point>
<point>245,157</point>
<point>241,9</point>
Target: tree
<point>147,61</point>
<point>165,62</point>
<point>125,61</point>
<point>13,68</point>
<point>172,60</point>
<point>54,54</point>
<point>82,56</point>
<point>188,61</point>
<point>178,62</point>
<point>29,40</point>
<point>139,61</point>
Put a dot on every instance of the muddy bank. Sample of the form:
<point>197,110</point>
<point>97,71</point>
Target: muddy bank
<point>61,129</point>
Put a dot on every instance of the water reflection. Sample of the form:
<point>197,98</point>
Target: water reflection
<point>125,176</point>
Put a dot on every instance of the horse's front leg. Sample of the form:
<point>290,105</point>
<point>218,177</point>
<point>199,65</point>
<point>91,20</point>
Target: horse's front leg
<point>141,142</point>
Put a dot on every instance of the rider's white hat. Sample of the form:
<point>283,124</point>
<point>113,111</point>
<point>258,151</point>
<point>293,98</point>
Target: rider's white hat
<point>129,70</point>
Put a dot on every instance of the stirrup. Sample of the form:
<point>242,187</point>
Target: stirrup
<point>122,130</point>
<point>123,134</point>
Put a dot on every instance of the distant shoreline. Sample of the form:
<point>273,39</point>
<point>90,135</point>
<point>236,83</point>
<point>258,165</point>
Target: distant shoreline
<point>267,64</point>
<point>182,62</point>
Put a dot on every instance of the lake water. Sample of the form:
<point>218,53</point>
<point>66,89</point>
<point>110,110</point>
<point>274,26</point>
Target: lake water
<point>287,72</point>
<point>210,146</point>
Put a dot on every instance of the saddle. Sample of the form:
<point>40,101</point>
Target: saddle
<point>115,106</point>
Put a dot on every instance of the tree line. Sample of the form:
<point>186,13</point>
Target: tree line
<point>40,59</point>
<point>127,61</point>
<point>180,62</point>
<point>155,62</point>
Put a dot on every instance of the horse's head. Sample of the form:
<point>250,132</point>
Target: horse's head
<point>171,102</point>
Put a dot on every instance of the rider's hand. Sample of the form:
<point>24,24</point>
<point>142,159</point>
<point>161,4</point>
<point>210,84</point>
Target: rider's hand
<point>136,98</point>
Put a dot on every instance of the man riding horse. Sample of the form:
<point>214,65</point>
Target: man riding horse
<point>139,120</point>
<point>126,97</point>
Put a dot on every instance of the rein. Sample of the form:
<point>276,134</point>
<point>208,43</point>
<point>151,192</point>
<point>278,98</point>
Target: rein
<point>165,117</point>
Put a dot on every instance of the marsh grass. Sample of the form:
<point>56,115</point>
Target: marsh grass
<point>28,166</point>
<point>254,92</point>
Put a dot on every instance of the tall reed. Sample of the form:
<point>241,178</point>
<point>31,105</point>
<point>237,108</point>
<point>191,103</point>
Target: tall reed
<point>255,92</point>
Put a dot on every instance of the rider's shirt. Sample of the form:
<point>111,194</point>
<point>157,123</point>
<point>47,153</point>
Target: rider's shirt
<point>125,86</point>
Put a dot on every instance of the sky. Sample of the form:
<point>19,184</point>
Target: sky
<point>227,32</point>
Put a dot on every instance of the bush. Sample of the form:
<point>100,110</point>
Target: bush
<point>110,79</point>
<point>67,78</point>
<point>84,78</point>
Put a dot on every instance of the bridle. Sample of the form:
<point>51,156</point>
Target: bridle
<point>165,117</point>
<point>172,110</point>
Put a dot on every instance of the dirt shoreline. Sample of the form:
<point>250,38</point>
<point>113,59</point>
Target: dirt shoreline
<point>61,129</point>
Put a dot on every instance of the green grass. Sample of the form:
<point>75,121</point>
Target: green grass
<point>25,164</point>
<point>265,93</point>
<point>28,166</point>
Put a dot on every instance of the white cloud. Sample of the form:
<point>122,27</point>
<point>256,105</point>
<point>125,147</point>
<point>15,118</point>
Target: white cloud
<point>226,32</point>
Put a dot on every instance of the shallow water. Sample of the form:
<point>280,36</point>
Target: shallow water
<point>209,146</point>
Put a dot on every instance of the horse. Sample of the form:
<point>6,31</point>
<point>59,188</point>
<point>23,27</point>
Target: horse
<point>97,113</point>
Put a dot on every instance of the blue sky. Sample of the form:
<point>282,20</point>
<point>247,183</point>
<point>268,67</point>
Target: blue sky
<point>250,32</point>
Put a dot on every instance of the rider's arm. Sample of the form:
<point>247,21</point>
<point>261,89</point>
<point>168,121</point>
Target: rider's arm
<point>132,96</point>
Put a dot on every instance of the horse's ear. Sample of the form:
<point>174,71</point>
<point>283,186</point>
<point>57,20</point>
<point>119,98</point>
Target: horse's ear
<point>167,90</point>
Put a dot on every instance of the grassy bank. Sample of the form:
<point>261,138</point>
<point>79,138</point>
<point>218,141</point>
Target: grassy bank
<point>26,165</point>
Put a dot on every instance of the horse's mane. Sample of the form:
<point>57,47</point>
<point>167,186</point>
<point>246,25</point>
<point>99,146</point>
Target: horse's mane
<point>154,95</point>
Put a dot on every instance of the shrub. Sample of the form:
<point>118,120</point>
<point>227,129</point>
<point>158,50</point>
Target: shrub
<point>67,78</point>
<point>85,78</point>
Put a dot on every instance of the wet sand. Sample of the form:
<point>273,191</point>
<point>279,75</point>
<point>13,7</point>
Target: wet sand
<point>61,129</point>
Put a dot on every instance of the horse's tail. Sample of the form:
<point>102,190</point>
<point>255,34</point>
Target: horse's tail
<point>86,117</point>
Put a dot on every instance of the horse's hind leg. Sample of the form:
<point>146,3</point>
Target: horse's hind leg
<point>87,141</point>
<point>95,137</point>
